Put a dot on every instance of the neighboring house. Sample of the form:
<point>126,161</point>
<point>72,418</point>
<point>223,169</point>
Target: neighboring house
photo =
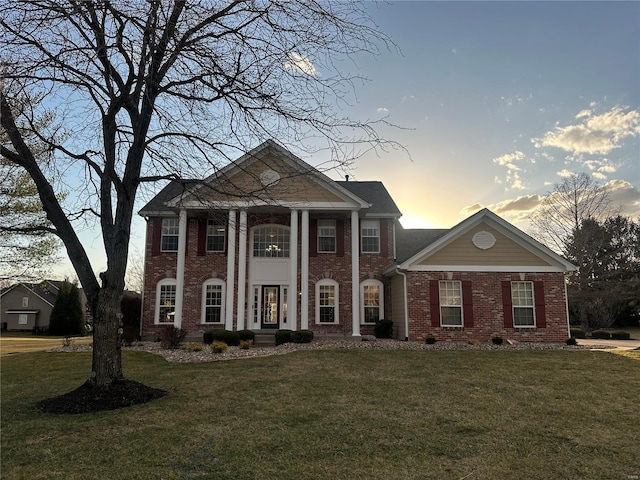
<point>27,306</point>
<point>268,242</point>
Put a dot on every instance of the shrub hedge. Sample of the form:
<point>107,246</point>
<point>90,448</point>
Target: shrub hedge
<point>620,335</point>
<point>601,334</point>
<point>383,329</point>
<point>283,336</point>
<point>232,339</point>
<point>302,336</point>
<point>578,333</point>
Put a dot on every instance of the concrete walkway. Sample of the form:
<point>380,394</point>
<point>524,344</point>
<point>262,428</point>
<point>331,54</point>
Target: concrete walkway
<point>619,344</point>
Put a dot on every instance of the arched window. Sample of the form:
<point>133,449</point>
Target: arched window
<point>165,301</point>
<point>371,301</point>
<point>327,302</point>
<point>213,294</point>
<point>271,241</point>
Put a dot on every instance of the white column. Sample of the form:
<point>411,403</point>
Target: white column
<point>242,268</point>
<point>292,299</point>
<point>304,272</point>
<point>355,272</point>
<point>231,270</point>
<point>182,250</point>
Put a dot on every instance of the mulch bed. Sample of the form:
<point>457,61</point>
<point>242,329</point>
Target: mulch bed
<point>88,399</point>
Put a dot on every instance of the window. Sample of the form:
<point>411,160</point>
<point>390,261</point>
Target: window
<point>327,302</point>
<point>522,300</point>
<point>216,235</point>
<point>25,302</point>
<point>371,297</point>
<point>450,303</point>
<point>370,233</point>
<point>22,318</point>
<point>169,239</point>
<point>213,301</point>
<point>165,301</point>
<point>327,236</point>
<point>271,242</point>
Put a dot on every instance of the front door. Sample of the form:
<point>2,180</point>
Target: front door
<point>270,306</point>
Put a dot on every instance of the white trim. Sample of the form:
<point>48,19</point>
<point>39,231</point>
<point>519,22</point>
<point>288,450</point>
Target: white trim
<point>292,296</point>
<point>380,285</point>
<point>304,272</point>
<point>156,313</point>
<point>461,306</point>
<point>355,274</point>
<point>180,264</point>
<point>242,269</point>
<point>231,270</point>
<point>203,303</point>
<point>483,268</point>
<point>533,304</point>
<point>336,305</point>
<point>223,205</point>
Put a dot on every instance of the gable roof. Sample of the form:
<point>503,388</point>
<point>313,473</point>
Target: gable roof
<point>410,253</point>
<point>371,197</point>
<point>47,290</point>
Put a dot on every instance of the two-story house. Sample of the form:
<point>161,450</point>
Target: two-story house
<point>269,242</point>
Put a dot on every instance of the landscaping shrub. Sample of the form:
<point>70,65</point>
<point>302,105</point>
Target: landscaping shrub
<point>383,329</point>
<point>218,346</point>
<point>67,316</point>
<point>578,333</point>
<point>130,334</point>
<point>245,344</point>
<point>232,339</point>
<point>497,340</point>
<point>601,334</point>
<point>194,347</point>
<point>302,336</point>
<point>172,337</point>
<point>283,336</point>
<point>620,335</point>
<point>247,335</point>
<point>571,341</point>
<point>430,341</point>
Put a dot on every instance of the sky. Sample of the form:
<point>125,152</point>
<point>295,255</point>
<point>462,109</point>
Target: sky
<point>495,103</point>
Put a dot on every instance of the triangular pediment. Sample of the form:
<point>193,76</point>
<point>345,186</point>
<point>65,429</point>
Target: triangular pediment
<point>486,242</point>
<point>268,175</point>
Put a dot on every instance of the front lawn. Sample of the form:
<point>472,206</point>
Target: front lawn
<point>334,415</point>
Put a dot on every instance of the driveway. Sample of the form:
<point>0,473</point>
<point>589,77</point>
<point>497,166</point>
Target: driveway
<point>619,344</point>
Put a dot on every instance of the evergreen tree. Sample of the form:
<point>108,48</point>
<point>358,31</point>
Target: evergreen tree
<point>67,317</point>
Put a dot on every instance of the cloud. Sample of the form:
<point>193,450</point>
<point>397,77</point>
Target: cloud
<point>597,134</point>
<point>565,173</point>
<point>509,162</point>
<point>300,63</point>
<point>517,209</point>
<point>471,209</point>
<point>382,110</point>
<point>625,194</point>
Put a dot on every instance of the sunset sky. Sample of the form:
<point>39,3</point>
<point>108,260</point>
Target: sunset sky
<point>496,102</point>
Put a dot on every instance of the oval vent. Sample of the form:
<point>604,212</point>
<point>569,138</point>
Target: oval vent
<point>484,240</point>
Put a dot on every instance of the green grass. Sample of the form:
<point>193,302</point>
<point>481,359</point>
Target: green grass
<point>334,414</point>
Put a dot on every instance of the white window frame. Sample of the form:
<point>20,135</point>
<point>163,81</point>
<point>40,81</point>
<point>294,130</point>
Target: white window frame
<point>523,302</point>
<point>216,228</point>
<point>222,284</point>
<point>380,285</point>
<point>336,301</point>
<point>327,229</point>
<point>25,302</point>
<point>23,319</point>
<point>170,229</point>
<point>281,235</point>
<point>160,284</point>
<point>446,301</point>
<point>369,228</point>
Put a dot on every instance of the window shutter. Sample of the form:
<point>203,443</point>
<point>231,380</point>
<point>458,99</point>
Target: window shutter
<point>507,304</point>
<point>434,300</point>
<point>156,235</point>
<point>202,237</point>
<point>313,237</point>
<point>467,303</point>
<point>384,238</point>
<point>340,238</point>
<point>538,293</point>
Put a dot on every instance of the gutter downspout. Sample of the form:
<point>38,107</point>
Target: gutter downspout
<point>406,306</point>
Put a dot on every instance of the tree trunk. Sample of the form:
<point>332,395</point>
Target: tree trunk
<point>107,356</point>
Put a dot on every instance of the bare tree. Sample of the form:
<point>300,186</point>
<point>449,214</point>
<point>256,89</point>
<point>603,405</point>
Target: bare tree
<point>144,91</point>
<point>577,198</point>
